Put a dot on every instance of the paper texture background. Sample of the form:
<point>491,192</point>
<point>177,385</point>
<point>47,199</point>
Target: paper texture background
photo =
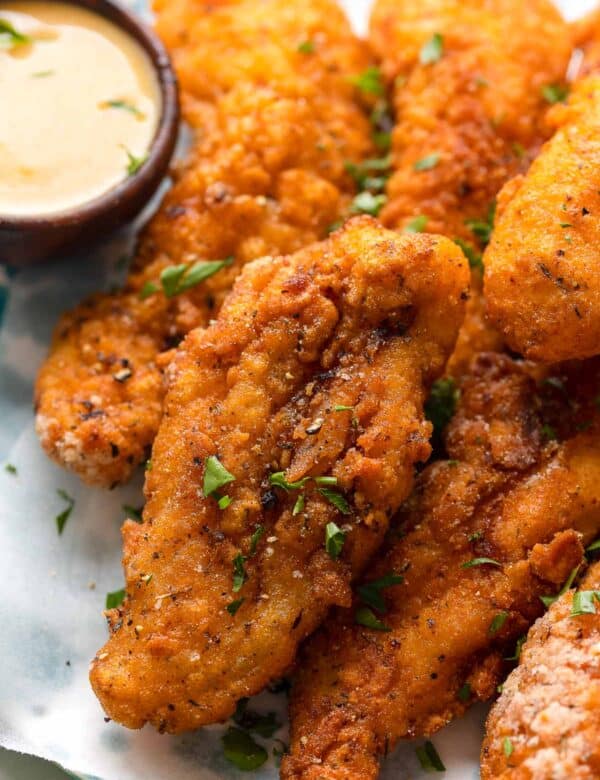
<point>53,588</point>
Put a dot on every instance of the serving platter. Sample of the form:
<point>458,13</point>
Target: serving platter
<point>54,587</point>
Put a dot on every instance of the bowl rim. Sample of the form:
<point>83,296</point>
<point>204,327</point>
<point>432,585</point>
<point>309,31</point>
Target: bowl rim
<point>160,149</point>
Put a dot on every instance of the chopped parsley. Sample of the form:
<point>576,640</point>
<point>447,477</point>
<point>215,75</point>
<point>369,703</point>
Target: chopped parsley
<point>215,476</point>
<point>42,74</point>
<point>497,623</point>
<point>555,93</point>
<point>115,599</point>
<point>427,163</point>
<point>299,505</point>
<point>148,465</point>
<point>371,594</point>
<point>429,758</point>
<point>362,172</point>
<point>334,540</point>
<point>10,468</point>
<point>233,607</point>
<point>507,747</point>
<point>177,279</point>
<point>134,163</point>
<point>239,572</point>
<point>475,537</point>
<point>548,432</point>
<point>416,225</point>
<point>547,601</point>
<point>464,693</point>
<point>441,404</point>
<point>583,602</point>
<point>249,720</point>
<point>306,47</point>
<point>123,105</point>
<point>135,513</point>
<point>337,499</point>
<point>277,479</point>
<point>517,654</point>
<point>62,517</point>
<point>255,538</point>
<point>369,81</point>
<point>368,203</point>
<point>224,502</point>
<point>593,547</point>
<point>482,229</point>
<point>433,50</point>
<point>474,257</point>
<point>10,36</point>
<point>364,616</point>
<point>479,562</point>
<point>242,751</point>
<point>565,225</point>
<point>343,408</point>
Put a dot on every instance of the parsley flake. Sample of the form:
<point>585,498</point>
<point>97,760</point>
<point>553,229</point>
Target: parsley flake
<point>299,505</point>
<point>548,432</point>
<point>593,547</point>
<point>224,502</point>
<point>547,601</point>
<point>233,607</point>
<point>474,257</point>
<point>416,225</point>
<point>255,538</point>
<point>337,499</point>
<point>479,562</point>
<point>517,654</point>
<point>277,479</point>
<point>367,203</point>
<point>433,50</point>
<point>10,36</point>
<point>371,594</point>
<point>343,408</point>
<point>306,47</point>
<point>177,279</point>
<point>507,747</point>
<point>215,476</point>
<point>364,616</point>
<point>135,513</point>
<point>482,229</point>
<point>239,572</point>
<point>62,517</point>
<point>115,599</point>
<point>334,540</point>
<point>583,602</point>
<point>427,163</point>
<point>441,404</point>
<point>429,758</point>
<point>242,751</point>
<point>369,81</point>
<point>10,468</point>
<point>249,720</point>
<point>497,623</point>
<point>123,105</point>
<point>134,163</point>
<point>555,93</point>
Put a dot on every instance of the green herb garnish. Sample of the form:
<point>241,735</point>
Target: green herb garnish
<point>548,432</point>
<point>362,172</point>
<point>416,225</point>
<point>482,229</point>
<point>507,747</point>
<point>343,408</point>
<point>427,163</point>
<point>306,47</point>
<point>555,93</point>
<point>233,607</point>
<point>547,601</point>
<point>367,203</point>
<point>369,81</point>
<point>224,502</point>
<point>249,720</point>
<point>277,479</point>
<point>432,51</point>
<point>61,519</point>
<point>177,279</point>
<point>474,257</point>
<point>337,499</point>
<point>242,751</point>
<point>441,404</point>
<point>42,74</point>
<point>135,513</point>
<point>464,693</point>
<point>479,562</point>
<point>371,594</point>
<point>299,505</point>
<point>334,540</point>
<point>215,476</point>
<point>11,469</point>
<point>255,538</point>
<point>134,163</point>
<point>123,105</point>
<point>498,621</point>
<point>115,599</point>
<point>583,602</point>
<point>429,758</point>
<point>364,616</point>
<point>11,37</point>
<point>239,572</point>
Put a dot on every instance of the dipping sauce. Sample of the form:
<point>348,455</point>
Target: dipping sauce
<point>79,106</point>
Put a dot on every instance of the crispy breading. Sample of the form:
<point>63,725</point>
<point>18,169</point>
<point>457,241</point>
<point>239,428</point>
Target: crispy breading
<point>365,320</point>
<point>508,494</point>
<point>478,109</point>
<point>542,281</point>
<point>274,128</point>
<point>546,723</point>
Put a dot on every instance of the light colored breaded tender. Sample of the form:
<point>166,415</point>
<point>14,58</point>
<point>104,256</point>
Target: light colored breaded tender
<point>476,110</point>
<point>317,366</point>
<point>546,723</point>
<point>274,128</point>
<point>483,536</point>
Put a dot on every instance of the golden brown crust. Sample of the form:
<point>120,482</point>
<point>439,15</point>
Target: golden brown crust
<point>365,320</point>
<point>546,722</point>
<point>508,494</point>
<point>479,109</point>
<point>542,283</point>
<point>274,128</point>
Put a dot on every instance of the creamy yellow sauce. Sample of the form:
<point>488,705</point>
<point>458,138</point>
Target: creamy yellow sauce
<point>79,106</point>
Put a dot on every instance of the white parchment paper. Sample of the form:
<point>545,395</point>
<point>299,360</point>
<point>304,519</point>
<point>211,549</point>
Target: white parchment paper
<point>53,588</point>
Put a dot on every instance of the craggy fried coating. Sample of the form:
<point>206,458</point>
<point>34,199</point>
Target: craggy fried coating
<point>507,494</point>
<point>542,280</point>
<point>365,320</point>
<point>546,723</point>
<point>274,128</point>
<point>479,109</point>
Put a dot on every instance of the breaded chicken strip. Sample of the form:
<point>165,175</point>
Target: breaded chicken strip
<point>483,536</point>
<point>542,280</point>
<point>309,390</point>
<point>546,723</point>
<point>468,79</point>
<point>275,125</point>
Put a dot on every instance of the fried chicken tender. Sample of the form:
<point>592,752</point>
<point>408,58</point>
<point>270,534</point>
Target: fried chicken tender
<point>546,723</point>
<point>483,536</point>
<point>542,281</point>
<point>474,109</point>
<point>274,128</point>
<point>318,367</point>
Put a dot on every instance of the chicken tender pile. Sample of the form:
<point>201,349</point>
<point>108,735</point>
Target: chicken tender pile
<point>547,720</point>
<point>542,281</point>
<point>275,124</point>
<point>308,391</point>
<point>468,80</point>
<point>482,538</point>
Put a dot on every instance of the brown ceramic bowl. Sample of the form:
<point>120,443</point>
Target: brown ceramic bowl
<point>28,240</point>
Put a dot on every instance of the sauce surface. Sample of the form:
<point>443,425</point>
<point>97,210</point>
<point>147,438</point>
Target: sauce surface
<point>79,106</point>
